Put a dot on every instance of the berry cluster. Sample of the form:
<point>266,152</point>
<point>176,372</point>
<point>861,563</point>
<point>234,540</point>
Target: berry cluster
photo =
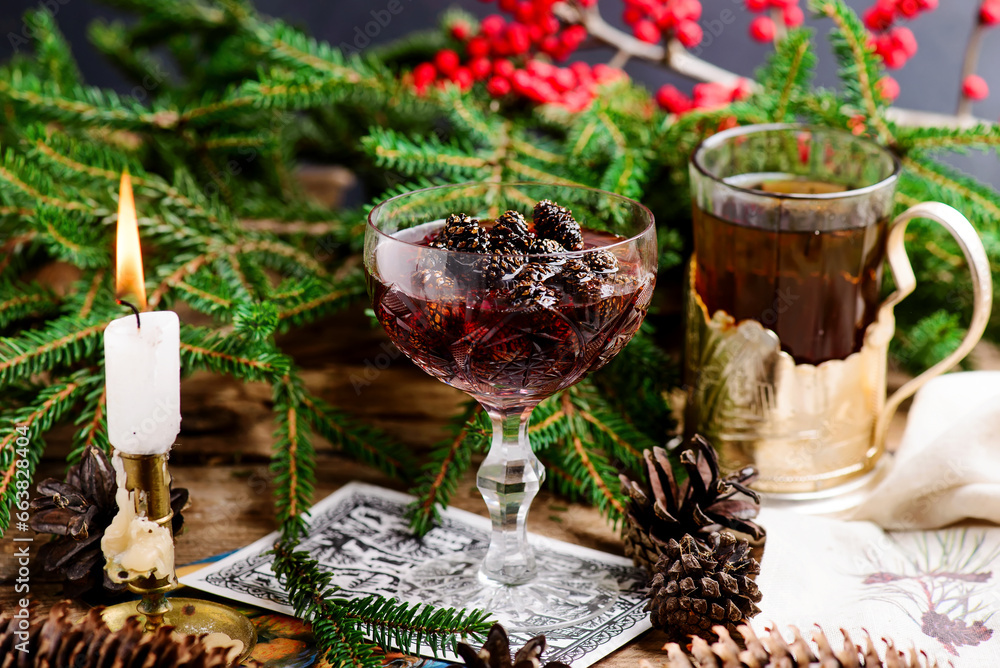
<point>651,20</point>
<point>504,55</point>
<point>763,28</point>
<point>895,44</point>
<point>539,277</point>
<point>705,96</point>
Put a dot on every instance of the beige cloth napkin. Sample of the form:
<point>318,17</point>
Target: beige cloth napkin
<point>947,466</point>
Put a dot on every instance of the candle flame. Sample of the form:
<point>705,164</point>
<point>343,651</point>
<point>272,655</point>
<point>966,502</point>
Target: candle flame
<point>130,285</point>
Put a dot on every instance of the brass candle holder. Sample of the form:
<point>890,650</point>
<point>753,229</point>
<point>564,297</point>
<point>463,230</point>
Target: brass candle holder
<point>149,478</point>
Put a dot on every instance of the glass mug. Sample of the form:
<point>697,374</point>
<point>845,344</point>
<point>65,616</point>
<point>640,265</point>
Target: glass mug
<point>786,338</point>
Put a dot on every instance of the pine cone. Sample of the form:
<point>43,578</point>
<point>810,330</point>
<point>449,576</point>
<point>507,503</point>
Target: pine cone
<point>557,223</point>
<point>77,511</point>
<point>700,505</point>
<point>773,651</point>
<point>55,642</point>
<point>496,653</point>
<point>695,587</point>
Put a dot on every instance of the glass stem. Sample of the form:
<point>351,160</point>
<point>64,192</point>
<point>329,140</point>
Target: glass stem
<point>509,479</point>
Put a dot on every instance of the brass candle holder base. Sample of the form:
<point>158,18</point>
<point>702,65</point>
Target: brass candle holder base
<point>190,616</point>
<point>148,477</point>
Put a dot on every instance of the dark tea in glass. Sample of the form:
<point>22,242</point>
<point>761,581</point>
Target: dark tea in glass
<point>817,289</point>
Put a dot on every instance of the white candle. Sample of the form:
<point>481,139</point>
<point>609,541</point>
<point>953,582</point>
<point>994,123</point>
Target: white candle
<point>143,381</point>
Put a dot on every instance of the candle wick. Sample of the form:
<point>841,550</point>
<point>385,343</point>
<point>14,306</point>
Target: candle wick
<point>138,323</point>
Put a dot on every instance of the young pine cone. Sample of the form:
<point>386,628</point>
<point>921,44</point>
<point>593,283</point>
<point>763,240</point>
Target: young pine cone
<point>664,509</point>
<point>772,651</point>
<point>496,653</point>
<point>55,642</point>
<point>697,587</point>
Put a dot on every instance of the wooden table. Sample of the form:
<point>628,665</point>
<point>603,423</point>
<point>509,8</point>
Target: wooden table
<point>222,455</point>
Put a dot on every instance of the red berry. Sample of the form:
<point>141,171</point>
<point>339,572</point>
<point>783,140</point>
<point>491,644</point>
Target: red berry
<point>605,73</point>
<point>687,10</point>
<point>632,15</point>
<point>423,74</point>
<point>903,39</point>
<point>762,29</point>
<point>492,26</point>
<point>477,47</point>
<point>783,4</point>
<point>757,5</point>
<point>582,72</point>
<point>446,61</point>
<point>888,88</point>
<point>673,100</point>
<point>503,68</point>
<point>989,13</point>
<point>551,45</point>
<point>908,8</point>
<point>646,31</point>
<point>498,86</point>
<point>712,95</point>
<point>689,34</point>
<point>463,77</point>
<point>878,19</point>
<point>480,68</point>
<point>518,39</point>
<point>793,16</point>
<point>460,31</point>
<point>573,36</point>
<point>540,69</point>
<point>975,87</point>
<point>928,5</point>
<point>525,12</point>
<point>507,5</point>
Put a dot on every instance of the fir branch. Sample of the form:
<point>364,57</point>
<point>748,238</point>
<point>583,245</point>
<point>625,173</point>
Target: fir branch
<point>53,57</point>
<point>596,478</point>
<point>88,300</point>
<point>205,349</point>
<point>953,187</point>
<point>860,70</point>
<point>310,592</point>
<point>787,74</point>
<point>392,624</point>
<point>53,402</point>
<point>30,300</point>
<point>293,458</point>
<point>62,343</point>
<point>450,459</point>
<point>93,425</point>
<point>982,137</point>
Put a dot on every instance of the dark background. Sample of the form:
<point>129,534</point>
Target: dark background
<point>930,81</point>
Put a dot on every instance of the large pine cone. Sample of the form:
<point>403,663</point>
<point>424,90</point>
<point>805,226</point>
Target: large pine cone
<point>496,653</point>
<point>704,503</point>
<point>773,651</point>
<point>695,587</point>
<point>55,642</point>
<point>77,511</point>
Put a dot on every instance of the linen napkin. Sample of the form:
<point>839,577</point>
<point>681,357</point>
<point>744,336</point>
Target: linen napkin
<point>935,591</point>
<point>947,466</point>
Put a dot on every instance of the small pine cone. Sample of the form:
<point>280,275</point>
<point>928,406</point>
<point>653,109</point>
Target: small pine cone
<point>536,272</point>
<point>496,653</point>
<point>462,233</point>
<point>579,280</point>
<point>546,247</point>
<point>547,215</point>
<point>695,587</point>
<point>569,235</point>
<point>510,234</point>
<point>433,282</point>
<point>531,295</point>
<point>773,651</point>
<point>602,262</point>
<point>664,509</point>
<point>89,643</point>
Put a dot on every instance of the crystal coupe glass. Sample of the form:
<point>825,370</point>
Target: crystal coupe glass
<point>510,329</point>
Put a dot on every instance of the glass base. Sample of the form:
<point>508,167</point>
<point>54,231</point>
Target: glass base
<point>839,501</point>
<point>565,592</point>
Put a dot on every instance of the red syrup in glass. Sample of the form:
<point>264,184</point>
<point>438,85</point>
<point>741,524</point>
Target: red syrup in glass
<point>479,340</point>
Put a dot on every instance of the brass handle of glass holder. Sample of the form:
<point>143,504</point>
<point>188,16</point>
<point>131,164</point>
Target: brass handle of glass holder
<point>982,296</point>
